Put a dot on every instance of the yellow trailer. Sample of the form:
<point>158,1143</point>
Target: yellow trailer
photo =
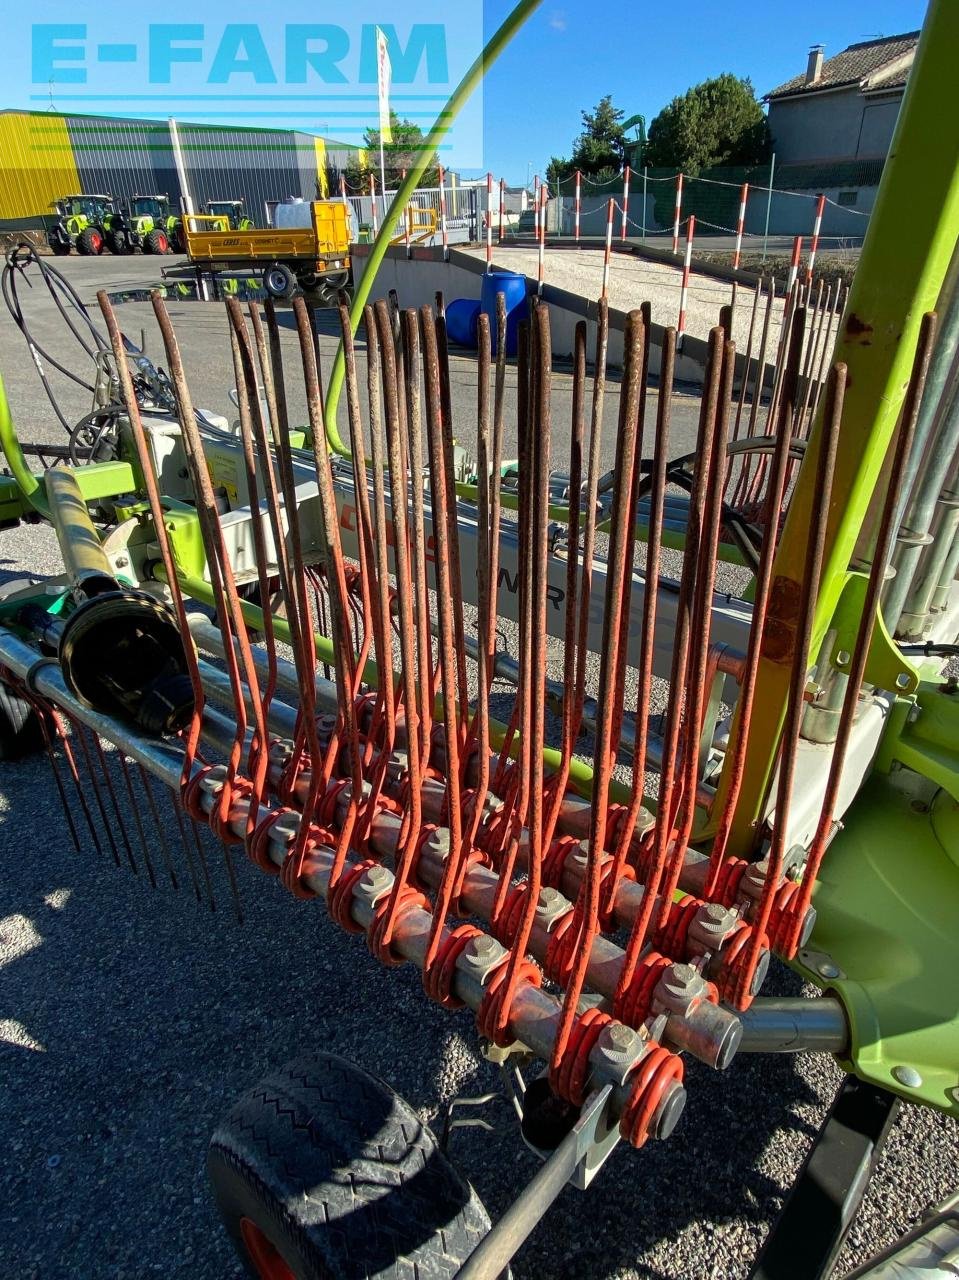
<point>314,257</point>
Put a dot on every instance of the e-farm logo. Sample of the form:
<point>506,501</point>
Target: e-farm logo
<point>240,53</point>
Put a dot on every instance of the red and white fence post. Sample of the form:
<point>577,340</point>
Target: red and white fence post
<point>611,205</point>
<point>794,265</point>
<point>676,215</point>
<point>578,204</point>
<point>740,224</point>
<point>536,204</point>
<point>489,222</point>
<point>817,223</point>
<point>343,188</point>
<point>376,221</point>
<point>625,224</point>
<point>684,291</point>
<point>541,265</point>
<point>443,231</point>
<point>502,210</point>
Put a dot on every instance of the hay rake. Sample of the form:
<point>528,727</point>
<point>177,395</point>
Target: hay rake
<point>606,892</point>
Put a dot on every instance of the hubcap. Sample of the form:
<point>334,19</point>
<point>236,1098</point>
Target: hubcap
<point>263,1253</point>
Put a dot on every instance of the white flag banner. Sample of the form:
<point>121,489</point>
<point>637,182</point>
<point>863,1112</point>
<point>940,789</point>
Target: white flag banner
<point>384,72</point>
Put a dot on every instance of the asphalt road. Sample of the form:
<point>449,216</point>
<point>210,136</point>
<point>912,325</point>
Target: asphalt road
<point>130,1020</point>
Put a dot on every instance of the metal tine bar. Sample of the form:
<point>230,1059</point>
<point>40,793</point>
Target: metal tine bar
<point>436,439</point>
<point>835,313</point>
<point>681,641</point>
<point>747,359</point>
<point>790,352</point>
<point>696,671</point>
<point>657,499</point>
<point>456,572</point>
<point>557,784</point>
<point>801,427</point>
<point>184,843</point>
<point>81,732</point>
<point>621,538</point>
<point>743,479</point>
<point>857,666</point>
<point>221,571</point>
<point>135,809</point>
<point>282,417</point>
<point>478,734</point>
<point>150,482</point>
<point>399,502</point>
<point>812,333</point>
<point>736,756</point>
<point>115,804</point>
<point>179,814</point>
<point>74,773</point>
<point>48,716</point>
<point>539,455</point>
<point>414,419</point>
<point>333,563</point>
<point>795,706</point>
<point>165,849</point>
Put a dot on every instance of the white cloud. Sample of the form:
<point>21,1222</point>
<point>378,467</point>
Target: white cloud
<point>557,20</point>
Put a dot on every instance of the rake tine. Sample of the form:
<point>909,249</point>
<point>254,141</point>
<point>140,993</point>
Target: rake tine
<point>834,314</point>
<point>185,844</point>
<point>486,586</point>
<point>381,578</point>
<point>201,855</point>
<point>135,809</point>
<point>115,804</point>
<point>787,375</point>
<point>743,480</point>
<point>801,425</point>
<point>795,705</point>
<point>81,732</point>
<point>276,363</point>
<point>47,717</point>
<point>812,335</point>
<point>747,358</point>
<point>77,786</point>
<point>147,786</point>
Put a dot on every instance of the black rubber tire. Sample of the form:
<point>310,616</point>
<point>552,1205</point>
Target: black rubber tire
<point>279,281</point>
<point>157,242</point>
<point>60,247</point>
<point>90,242</point>
<point>342,1178</point>
<point>20,731</point>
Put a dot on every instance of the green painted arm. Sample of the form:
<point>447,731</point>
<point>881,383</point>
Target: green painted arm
<point>29,484</point>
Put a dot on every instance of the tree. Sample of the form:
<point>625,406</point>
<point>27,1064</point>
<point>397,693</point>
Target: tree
<point>599,150</point>
<point>399,155</point>
<point>718,122</point>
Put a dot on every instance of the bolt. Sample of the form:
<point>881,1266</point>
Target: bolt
<point>377,875</point>
<point>919,806</point>
<point>829,970</point>
<point>122,562</point>
<point>907,1076</point>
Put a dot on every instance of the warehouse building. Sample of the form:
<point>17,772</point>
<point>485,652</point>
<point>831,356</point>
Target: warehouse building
<point>45,155</point>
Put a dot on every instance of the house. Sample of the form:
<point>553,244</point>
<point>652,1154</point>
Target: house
<point>844,108</point>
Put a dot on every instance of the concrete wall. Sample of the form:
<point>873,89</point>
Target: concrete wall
<point>834,125</point>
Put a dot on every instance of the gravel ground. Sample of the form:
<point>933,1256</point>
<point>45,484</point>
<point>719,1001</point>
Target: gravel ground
<point>131,1019</point>
<point>635,280</point>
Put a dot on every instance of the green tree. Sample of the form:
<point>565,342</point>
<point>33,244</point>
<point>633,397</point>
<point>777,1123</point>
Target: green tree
<point>399,155</point>
<point>718,122</point>
<point>600,149</point>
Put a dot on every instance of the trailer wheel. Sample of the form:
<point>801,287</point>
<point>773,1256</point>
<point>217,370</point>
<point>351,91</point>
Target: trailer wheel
<point>321,1172</point>
<point>20,731</point>
<point>90,242</point>
<point>60,247</point>
<point>279,281</point>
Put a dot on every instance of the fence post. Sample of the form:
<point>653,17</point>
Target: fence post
<point>489,222</point>
<point>536,204</point>
<point>679,206</point>
<point>645,172</point>
<point>541,266</point>
<point>376,224</point>
<point>743,196</point>
<point>443,231</point>
<point>684,291</point>
<point>577,204</point>
<point>625,203</point>
<point>769,203</point>
<point>611,204</point>
<point>817,223</point>
<point>502,208</point>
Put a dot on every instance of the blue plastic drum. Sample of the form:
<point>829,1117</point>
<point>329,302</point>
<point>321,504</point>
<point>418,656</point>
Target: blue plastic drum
<point>461,319</point>
<point>513,286</point>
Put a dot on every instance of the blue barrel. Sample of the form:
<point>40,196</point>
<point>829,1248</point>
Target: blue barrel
<point>461,319</point>
<point>513,286</point>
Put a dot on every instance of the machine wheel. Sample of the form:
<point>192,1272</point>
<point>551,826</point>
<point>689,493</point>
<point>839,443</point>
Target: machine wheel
<point>20,731</point>
<point>157,242</point>
<point>60,247</point>
<point>90,242</point>
<point>308,280</point>
<point>336,281</point>
<point>279,281</point>
<point>117,244</point>
<point>321,1172</point>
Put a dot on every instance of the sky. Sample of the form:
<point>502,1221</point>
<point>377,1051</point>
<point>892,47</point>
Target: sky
<point>563,61</point>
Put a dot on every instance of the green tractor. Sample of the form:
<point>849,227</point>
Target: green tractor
<point>234,210</point>
<point>84,222</point>
<point>144,223</point>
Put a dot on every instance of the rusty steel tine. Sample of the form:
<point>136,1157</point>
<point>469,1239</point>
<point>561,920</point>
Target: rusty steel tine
<point>135,809</point>
<point>870,610</point>
<point>74,774</point>
<point>381,577</point>
<point>485,587</point>
<point>657,502</point>
<point>801,423</point>
<point>792,353</point>
<point>577,432</point>
<point>669,770</point>
<point>82,731</point>
<point>795,705</point>
<point>456,575</point>
<point>185,844</point>
<point>114,803</point>
<point>747,358</point>
<point>440,304</point>
<point>592,496</point>
<point>496,467</point>
<point>414,420</point>
<point>745,467</point>
<point>165,849</point>
<point>332,556</point>
<point>834,315</point>
<point>276,362</point>
<point>794,306</point>
<point>221,572</point>
<point>812,330</point>
<point>621,538</point>
<point>736,755</point>
<point>234,885</point>
<point>445,606</point>
<point>151,485</point>
<point>248,404</point>
<point>201,855</point>
<point>47,716</point>
<point>540,424</point>
<point>696,671</point>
